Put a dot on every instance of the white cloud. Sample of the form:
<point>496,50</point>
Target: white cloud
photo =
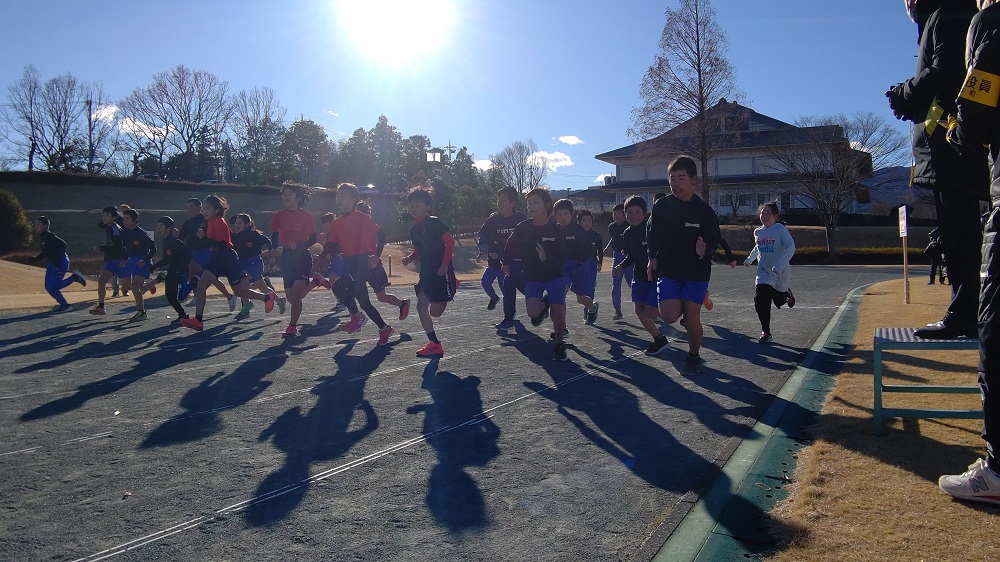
<point>570,139</point>
<point>483,164</point>
<point>333,113</point>
<point>140,129</point>
<point>106,113</point>
<point>600,179</point>
<point>553,160</point>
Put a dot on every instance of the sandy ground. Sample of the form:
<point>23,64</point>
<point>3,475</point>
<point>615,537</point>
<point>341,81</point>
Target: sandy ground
<point>22,287</point>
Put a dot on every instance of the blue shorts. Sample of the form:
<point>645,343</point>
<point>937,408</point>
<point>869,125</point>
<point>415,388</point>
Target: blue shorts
<point>555,288</point>
<point>581,277</point>
<point>132,268</point>
<point>254,267</point>
<point>115,267</point>
<point>202,257</point>
<point>668,289</point>
<point>336,267</point>
<point>644,292</point>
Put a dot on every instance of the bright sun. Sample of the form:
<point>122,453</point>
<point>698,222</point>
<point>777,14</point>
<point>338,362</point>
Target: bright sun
<point>396,31</point>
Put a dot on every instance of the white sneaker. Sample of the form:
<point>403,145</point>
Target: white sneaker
<point>979,483</point>
<point>232,303</point>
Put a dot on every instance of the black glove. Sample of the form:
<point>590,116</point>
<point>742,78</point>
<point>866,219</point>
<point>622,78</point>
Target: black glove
<point>896,101</point>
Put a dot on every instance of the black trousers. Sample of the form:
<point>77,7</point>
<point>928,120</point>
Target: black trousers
<point>171,288</point>
<point>511,286</point>
<point>989,339</point>
<point>763,296</point>
<point>960,226</point>
<point>354,293</point>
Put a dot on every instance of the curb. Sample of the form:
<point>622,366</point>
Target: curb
<point>729,520</point>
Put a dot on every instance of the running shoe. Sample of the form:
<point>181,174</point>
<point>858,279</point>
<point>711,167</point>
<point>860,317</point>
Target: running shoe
<point>765,338</point>
<point>79,278</point>
<point>709,305</point>
<point>505,325</point>
<point>245,311</point>
<point>431,348</point>
<point>618,315</point>
<point>98,310</point>
<point>559,352</point>
<point>152,289</point>
<point>355,324</point>
<point>340,307</point>
<point>691,364</point>
<point>592,314</point>
<point>114,295</point>
<point>552,335</point>
<point>493,303</point>
<point>404,309</point>
<point>192,323</point>
<point>537,320</point>
<point>320,281</point>
<point>63,307</point>
<point>979,483</point>
<point>232,303</point>
<point>383,335</point>
<point>269,302</point>
<point>659,344</point>
<point>290,331</point>
<point>791,299</point>
<point>281,305</point>
<point>138,316</point>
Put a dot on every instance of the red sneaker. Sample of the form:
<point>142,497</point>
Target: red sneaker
<point>320,281</point>
<point>383,335</point>
<point>404,309</point>
<point>152,290</point>
<point>355,324</point>
<point>269,302</point>
<point>431,348</point>
<point>290,331</point>
<point>709,305</point>
<point>192,323</point>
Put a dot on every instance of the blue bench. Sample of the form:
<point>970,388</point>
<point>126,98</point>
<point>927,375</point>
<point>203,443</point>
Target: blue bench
<point>903,338</point>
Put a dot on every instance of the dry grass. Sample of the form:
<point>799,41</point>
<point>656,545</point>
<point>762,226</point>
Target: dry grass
<point>861,497</point>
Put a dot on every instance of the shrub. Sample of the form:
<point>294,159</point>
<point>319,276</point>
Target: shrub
<point>15,230</point>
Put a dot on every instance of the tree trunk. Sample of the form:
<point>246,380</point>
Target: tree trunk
<point>833,254</point>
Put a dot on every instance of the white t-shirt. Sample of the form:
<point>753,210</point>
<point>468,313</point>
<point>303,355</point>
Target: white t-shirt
<point>773,250</point>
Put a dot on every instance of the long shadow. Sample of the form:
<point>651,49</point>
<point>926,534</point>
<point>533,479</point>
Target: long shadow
<point>98,349</point>
<point>462,436</point>
<point>219,393</point>
<point>770,356</point>
<point>49,339</point>
<point>161,359</point>
<point>321,434</point>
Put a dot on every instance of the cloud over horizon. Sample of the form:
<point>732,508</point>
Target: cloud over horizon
<point>570,140</point>
<point>553,160</point>
<point>483,164</point>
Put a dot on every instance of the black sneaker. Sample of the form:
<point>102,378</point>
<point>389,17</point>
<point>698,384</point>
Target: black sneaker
<point>493,303</point>
<point>559,353</point>
<point>791,299</point>
<point>592,315</point>
<point>691,364</point>
<point>659,344</point>
<point>537,320</point>
<point>552,335</point>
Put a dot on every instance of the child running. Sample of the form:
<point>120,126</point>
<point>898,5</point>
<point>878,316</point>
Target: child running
<point>540,245</point>
<point>434,246</point>
<point>199,247</point>
<point>222,262</point>
<point>494,235</point>
<point>249,243</point>
<point>54,251</point>
<point>595,261</point>
<point>635,252</point>
<point>378,280</point>
<point>682,235</point>
<point>293,232</point>
<point>615,245</point>
<point>357,236</point>
<point>114,256</point>
<point>174,261</point>
<point>773,251</point>
<point>139,251</point>
<point>576,269</point>
<point>335,265</point>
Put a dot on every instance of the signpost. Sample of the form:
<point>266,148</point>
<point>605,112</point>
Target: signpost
<point>906,256</point>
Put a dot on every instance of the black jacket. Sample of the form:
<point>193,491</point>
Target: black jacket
<point>929,97</point>
<point>978,116</point>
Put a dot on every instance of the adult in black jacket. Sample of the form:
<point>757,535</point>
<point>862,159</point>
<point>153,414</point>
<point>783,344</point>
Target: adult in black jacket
<point>958,181</point>
<point>978,123</point>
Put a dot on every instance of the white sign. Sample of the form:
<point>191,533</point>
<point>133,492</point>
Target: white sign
<point>902,221</point>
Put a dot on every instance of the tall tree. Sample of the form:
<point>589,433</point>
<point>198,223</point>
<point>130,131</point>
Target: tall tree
<point>22,114</point>
<point>307,147</point>
<point>359,156</point>
<point>520,166</point>
<point>256,124</point>
<point>689,75</point>
<point>387,143</point>
<point>102,132</point>
<point>58,138</point>
<point>415,150</point>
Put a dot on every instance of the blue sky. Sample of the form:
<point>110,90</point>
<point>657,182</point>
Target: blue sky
<point>478,74</point>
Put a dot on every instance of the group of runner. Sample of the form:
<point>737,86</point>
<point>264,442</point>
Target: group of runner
<point>664,255</point>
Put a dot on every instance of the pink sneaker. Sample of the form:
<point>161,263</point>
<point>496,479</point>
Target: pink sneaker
<point>269,303</point>
<point>432,348</point>
<point>320,281</point>
<point>404,309</point>
<point>354,324</point>
<point>383,335</point>
<point>290,331</point>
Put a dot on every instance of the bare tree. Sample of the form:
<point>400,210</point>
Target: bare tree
<point>689,75</point>
<point>824,170</point>
<point>102,131</point>
<point>61,110</point>
<point>174,111</point>
<point>519,165</point>
<point>256,124</point>
<point>870,133</point>
<point>22,114</point>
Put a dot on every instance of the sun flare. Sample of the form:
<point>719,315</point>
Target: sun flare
<point>396,31</point>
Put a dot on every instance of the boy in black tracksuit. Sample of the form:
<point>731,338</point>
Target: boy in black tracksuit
<point>54,252</point>
<point>175,259</point>
<point>635,250</point>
